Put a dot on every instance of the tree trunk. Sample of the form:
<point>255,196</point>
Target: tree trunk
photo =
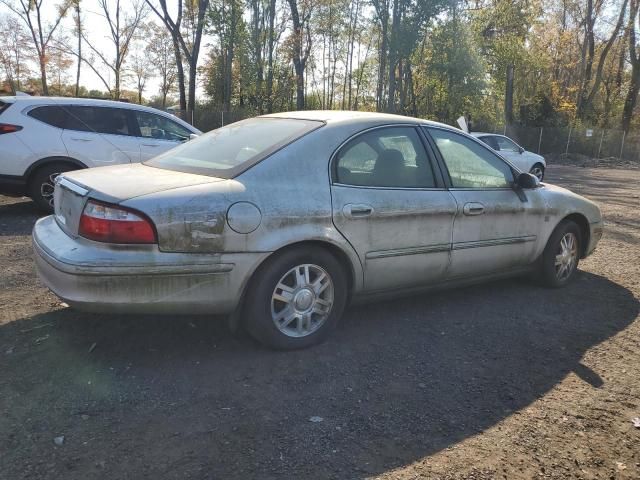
<point>77,7</point>
<point>508,97</point>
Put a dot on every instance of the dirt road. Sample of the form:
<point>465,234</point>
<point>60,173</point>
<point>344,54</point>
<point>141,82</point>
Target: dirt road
<point>503,380</point>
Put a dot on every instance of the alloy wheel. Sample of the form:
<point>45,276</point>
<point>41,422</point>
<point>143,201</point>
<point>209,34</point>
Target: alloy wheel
<point>302,300</point>
<point>566,256</point>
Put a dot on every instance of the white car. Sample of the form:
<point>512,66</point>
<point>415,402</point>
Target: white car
<point>520,158</point>
<point>41,137</point>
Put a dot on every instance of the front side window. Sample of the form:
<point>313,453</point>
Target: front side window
<point>112,121</point>
<point>229,150</point>
<point>161,128</point>
<point>385,157</point>
<point>507,145</point>
<point>471,165</point>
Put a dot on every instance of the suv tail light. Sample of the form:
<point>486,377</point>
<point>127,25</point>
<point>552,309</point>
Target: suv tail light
<point>104,222</point>
<point>8,128</point>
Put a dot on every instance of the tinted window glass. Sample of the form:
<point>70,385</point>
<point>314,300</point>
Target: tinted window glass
<point>157,126</point>
<point>229,150</point>
<point>113,121</point>
<point>471,165</point>
<point>51,114</point>
<point>491,141</point>
<point>385,157</point>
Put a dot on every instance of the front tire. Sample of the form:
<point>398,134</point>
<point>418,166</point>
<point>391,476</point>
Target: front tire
<point>296,299</point>
<point>41,184</point>
<point>561,256</point>
<point>538,171</point>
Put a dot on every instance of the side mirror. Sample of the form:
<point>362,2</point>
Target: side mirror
<point>527,181</point>
<point>193,136</point>
<point>521,150</point>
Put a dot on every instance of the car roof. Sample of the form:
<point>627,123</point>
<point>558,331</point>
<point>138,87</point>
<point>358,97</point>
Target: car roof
<point>484,134</point>
<point>348,116</point>
<point>37,100</point>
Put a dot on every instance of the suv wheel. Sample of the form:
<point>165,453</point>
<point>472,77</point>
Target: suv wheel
<point>42,184</point>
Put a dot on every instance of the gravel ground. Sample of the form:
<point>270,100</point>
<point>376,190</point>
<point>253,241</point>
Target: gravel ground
<point>502,380</point>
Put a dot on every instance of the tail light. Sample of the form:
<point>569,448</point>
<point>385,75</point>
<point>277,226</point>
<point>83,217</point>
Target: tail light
<point>8,128</point>
<point>104,222</point>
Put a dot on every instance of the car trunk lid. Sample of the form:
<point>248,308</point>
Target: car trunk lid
<point>113,184</point>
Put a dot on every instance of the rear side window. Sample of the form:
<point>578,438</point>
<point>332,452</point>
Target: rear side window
<point>491,141</point>
<point>50,114</point>
<point>113,121</point>
<point>385,157</point>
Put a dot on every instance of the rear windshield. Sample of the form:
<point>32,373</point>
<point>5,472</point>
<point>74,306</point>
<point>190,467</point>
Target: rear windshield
<point>228,151</point>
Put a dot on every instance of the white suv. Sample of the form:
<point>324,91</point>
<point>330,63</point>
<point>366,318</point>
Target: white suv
<point>41,137</point>
<point>518,156</point>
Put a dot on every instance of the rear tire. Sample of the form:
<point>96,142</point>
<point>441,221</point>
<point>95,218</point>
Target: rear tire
<point>41,184</point>
<point>296,299</point>
<point>559,261</point>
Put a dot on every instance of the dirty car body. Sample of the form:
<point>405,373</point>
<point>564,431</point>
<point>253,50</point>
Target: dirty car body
<point>396,202</point>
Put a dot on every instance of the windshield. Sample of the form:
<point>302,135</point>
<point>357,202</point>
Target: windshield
<point>228,151</point>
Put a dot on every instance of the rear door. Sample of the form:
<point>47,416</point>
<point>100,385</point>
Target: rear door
<point>391,205</point>
<point>157,134</point>
<point>100,136</point>
<point>496,226</point>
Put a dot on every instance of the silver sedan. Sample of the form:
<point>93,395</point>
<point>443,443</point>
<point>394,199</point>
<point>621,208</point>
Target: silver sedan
<point>280,221</point>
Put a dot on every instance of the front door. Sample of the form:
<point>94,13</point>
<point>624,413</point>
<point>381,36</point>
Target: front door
<point>390,206</point>
<point>495,226</point>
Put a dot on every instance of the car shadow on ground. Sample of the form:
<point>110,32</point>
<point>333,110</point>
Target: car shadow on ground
<point>180,397</point>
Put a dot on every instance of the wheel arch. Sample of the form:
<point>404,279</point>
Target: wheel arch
<point>35,166</point>
<point>351,270</point>
<point>585,231</point>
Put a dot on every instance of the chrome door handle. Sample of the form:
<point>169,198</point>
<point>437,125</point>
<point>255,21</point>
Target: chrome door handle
<point>150,145</point>
<point>473,208</point>
<point>357,210</point>
<point>80,139</point>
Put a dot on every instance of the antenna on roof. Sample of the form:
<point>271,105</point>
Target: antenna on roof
<point>22,94</point>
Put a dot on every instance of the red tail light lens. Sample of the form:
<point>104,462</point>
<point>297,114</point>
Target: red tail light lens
<point>104,222</point>
<point>8,128</point>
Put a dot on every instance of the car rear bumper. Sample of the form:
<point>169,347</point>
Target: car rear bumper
<point>102,278</point>
<point>13,185</point>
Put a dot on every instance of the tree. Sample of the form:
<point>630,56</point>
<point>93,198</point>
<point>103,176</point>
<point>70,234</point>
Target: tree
<point>122,28</point>
<point>162,56</point>
<point>589,85</point>
<point>40,34</point>
<point>185,44</point>
<point>77,20</point>
<point>16,53</point>
<point>634,57</point>
<point>141,71</point>
<point>300,43</point>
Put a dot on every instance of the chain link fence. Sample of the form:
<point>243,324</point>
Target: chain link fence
<point>576,142</point>
<point>562,143</point>
<point>207,119</point>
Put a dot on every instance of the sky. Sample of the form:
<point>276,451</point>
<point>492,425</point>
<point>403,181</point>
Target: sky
<point>97,29</point>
